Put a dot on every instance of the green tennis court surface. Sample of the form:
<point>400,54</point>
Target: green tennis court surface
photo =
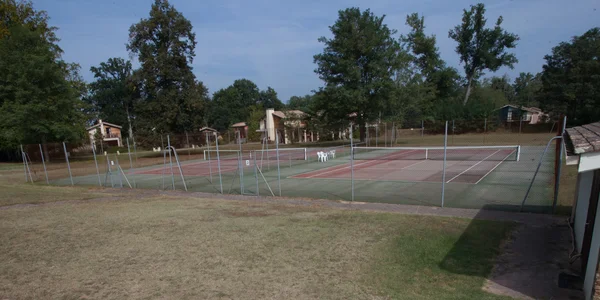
<point>493,178</point>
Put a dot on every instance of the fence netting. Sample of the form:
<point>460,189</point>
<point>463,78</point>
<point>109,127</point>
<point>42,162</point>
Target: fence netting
<point>482,163</point>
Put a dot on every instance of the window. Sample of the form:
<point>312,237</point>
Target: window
<point>509,116</point>
<point>108,131</point>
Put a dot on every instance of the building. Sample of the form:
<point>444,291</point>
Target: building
<point>583,149</point>
<point>241,131</point>
<point>530,115</point>
<point>111,133</point>
<point>289,126</point>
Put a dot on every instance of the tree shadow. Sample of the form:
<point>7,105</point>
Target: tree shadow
<point>526,262</point>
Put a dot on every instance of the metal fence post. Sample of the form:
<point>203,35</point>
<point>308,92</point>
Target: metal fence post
<point>240,163</point>
<point>187,139</point>
<point>44,163</point>
<point>219,161</point>
<point>256,174</point>
<point>385,135</point>
<point>444,167</point>
<point>278,170</point>
<point>68,164</point>
<point>170,161</point>
<point>351,163</point>
<point>453,132</point>
<point>95,162</point>
<point>24,165</point>
<point>559,169</point>
<point>484,129</point>
<point>209,163</point>
<point>130,164</point>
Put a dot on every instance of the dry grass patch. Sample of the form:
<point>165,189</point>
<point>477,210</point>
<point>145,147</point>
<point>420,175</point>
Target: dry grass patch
<point>190,248</point>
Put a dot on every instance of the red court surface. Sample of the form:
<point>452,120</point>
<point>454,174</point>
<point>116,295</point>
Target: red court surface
<point>392,169</point>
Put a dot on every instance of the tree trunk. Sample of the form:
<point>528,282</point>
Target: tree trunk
<point>468,90</point>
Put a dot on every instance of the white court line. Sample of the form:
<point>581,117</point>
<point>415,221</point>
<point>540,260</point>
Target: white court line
<point>471,167</point>
<point>368,161</point>
<point>490,171</point>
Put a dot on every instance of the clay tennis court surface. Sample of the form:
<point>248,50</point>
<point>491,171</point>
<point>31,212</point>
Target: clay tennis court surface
<point>401,167</point>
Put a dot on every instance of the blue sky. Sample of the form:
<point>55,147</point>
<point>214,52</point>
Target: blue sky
<point>272,42</point>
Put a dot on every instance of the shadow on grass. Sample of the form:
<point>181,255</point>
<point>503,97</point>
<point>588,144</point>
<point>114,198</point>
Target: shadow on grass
<point>517,259</point>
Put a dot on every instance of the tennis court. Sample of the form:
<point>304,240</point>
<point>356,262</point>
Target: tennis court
<point>464,164</point>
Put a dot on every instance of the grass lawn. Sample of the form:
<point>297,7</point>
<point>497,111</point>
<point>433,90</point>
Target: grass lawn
<point>173,247</point>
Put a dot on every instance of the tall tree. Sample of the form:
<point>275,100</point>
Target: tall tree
<point>112,94</point>
<point>526,88</point>
<point>233,103</point>
<point>357,67</point>
<point>22,13</point>
<point>571,77</point>
<point>300,103</point>
<point>482,48</point>
<point>428,82</point>
<point>38,102</point>
<point>165,44</point>
<point>269,99</point>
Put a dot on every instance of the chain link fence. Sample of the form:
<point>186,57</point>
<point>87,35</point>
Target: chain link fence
<point>458,163</point>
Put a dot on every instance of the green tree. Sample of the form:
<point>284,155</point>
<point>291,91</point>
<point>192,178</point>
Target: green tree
<point>269,99</point>
<point>357,67</point>
<point>426,82</point>
<point>526,88</point>
<point>302,103</point>
<point>37,101</point>
<point>231,105</point>
<point>256,114</point>
<point>112,96</point>
<point>482,48</point>
<point>21,12</point>
<point>571,77</point>
<point>164,44</point>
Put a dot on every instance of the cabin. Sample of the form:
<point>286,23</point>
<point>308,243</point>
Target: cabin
<point>111,133</point>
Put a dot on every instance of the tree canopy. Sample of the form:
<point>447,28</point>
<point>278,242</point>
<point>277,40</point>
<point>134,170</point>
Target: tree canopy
<point>482,48</point>
<point>37,101</point>
<point>571,79</point>
<point>164,44</point>
<point>356,66</point>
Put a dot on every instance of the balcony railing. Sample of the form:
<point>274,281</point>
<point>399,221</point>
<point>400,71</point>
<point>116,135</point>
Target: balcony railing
<point>112,136</point>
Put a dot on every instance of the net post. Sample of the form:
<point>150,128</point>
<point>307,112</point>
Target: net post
<point>171,161</point>
<point>305,154</point>
<point>351,163</point>
<point>426,153</point>
<point>219,162</point>
<point>46,172</point>
<point>444,165</point>
<point>68,164</point>
<point>130,164</point>
<point>278,170</point>
<point>95,162</point>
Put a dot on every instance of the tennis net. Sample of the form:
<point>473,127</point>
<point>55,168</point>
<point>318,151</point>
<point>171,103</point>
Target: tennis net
<point>488,153</point>
<point>284,154</point>
<point>223,154</point>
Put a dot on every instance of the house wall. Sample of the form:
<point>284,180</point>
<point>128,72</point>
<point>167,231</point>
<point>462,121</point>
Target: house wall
<point>584,188</point>
<point>270,124</point>
<point>590,273</point>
